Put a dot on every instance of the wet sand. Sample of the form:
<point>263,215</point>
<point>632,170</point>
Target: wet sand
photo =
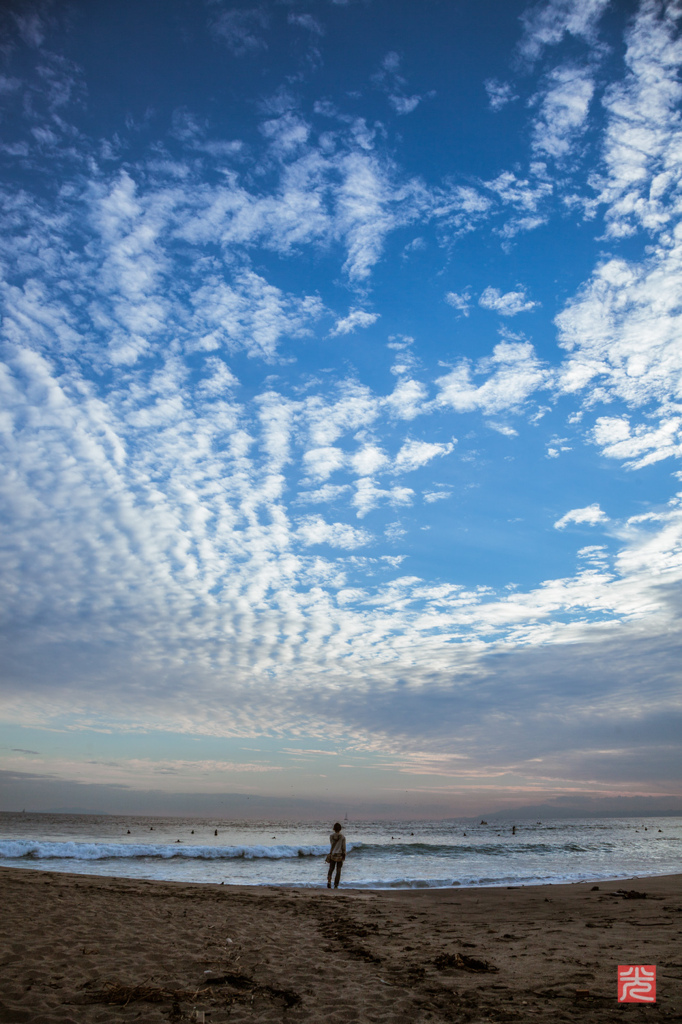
<point>84,949</point>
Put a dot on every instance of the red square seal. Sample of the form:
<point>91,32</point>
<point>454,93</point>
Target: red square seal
<point>636,983</point>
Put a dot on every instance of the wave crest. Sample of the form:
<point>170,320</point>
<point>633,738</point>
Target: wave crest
<point>35,850</point>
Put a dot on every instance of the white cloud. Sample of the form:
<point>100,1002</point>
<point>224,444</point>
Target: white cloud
<point>416,245</point>
<point>621,331</point>
<point>390,81</point>
<point>521,203</point>
<point>499,93</point>
<point>557,445</point>
<point>363,212</point>
<point>391,62</point>
<point>325,193</point>
<point>546,23</point>
<point>563,111</point>
<point>516,225</point>
<point>287,134</point>
<point>393,560</point>
<point>414,454</point>
<point>314,530</point>
<point>595,554</point>
<point>431,496</point>
<point>404,104</point>
<point>369,496</point>
<point>222,379</point>
<point>639,447</point>
<point>468,201</point>
<point>509,304</point>
<point>460,301</point>
<point>405,362</point>
<point>355,318</point>
<point>524,194</point>
<point>502,428</point>
<point>591,515</point>
<point>320,463</point>
<point>641,146</point>
<point>323,495</point>
<point>399,342</point>
<point>250,314</point>
<point>407,400</point>
<point>514,374</point>
<point>355,407</point>
<point>368,459</point>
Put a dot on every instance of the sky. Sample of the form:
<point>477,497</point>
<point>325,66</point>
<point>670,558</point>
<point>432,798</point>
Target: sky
<point>340,406</point>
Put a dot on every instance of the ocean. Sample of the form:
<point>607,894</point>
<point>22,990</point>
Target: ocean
<point>381,854</point>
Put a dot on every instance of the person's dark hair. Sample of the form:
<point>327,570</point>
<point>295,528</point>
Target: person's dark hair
<point>337,826</point>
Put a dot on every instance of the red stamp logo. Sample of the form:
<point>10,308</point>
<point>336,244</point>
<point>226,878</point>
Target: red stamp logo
<point>636,983</point>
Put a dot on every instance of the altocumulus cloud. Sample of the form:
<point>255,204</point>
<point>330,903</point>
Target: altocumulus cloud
<point>218,478</point>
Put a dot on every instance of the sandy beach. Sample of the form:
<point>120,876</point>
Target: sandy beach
<point>86,949</point>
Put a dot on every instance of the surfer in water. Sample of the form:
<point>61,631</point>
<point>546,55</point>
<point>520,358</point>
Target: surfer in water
<point>336,855</point>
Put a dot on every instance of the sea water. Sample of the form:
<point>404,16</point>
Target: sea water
<point>381,854</point>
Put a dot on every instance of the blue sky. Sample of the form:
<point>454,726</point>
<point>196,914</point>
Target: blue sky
<point>341,405</point>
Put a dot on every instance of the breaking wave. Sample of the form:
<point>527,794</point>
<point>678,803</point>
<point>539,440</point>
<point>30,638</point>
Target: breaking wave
<point>40,850</point>
<point>16,849</point>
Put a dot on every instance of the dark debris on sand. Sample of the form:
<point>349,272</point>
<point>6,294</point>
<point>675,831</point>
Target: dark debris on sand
<point>113,993</point>
<point>460,962</point>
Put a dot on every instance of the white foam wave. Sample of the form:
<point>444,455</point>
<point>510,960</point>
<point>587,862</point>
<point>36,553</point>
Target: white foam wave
<point>36,850</point>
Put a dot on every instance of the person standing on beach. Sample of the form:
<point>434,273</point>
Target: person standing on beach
<point>336,856</point>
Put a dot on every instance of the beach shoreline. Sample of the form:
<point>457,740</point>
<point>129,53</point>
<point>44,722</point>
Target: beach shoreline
<point>86,949</point>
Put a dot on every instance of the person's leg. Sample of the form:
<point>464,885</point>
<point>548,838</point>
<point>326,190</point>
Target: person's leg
<point>329,874</point>
<point>338,873</point>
